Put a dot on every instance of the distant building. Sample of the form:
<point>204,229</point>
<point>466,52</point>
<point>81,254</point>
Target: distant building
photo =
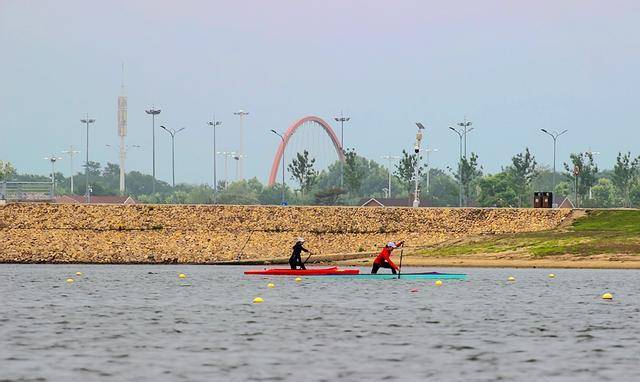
<point>80,199</point>
<point>389,202</point>
<point>565,203</point>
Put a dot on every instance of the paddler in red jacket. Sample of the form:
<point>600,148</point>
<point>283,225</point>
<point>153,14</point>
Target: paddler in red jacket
<point>384,258</point>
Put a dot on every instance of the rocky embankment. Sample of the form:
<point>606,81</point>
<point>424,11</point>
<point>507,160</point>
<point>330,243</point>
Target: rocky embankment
<point>50,233</point>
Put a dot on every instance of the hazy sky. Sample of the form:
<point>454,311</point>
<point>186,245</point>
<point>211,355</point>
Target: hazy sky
<point>512,67</point>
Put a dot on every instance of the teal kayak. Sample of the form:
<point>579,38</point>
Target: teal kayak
<point>407,276</point>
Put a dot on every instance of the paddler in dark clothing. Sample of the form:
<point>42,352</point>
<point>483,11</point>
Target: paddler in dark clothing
<point>384,258</point>
<point>295,260</point>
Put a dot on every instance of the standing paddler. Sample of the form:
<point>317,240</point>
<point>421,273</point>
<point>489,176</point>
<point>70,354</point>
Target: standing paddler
<point>295,260</point>
<point>384,258</point>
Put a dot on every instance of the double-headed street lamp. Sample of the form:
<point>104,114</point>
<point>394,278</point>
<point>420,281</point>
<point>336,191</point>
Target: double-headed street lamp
<point>53,160</point>
<point>417,146</point>
<point>554,135</point>
<point>87,121</point>
<point>173,133</point>
<point>214,124</point>
<point>390,158</point>
<point>71,152</point>
<point>153,112</point>
<point>342,119</point>
<point>284,202</point>
<point>465,127</point>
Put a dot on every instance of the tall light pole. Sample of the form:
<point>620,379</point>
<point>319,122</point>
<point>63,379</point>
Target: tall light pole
<point>71,152</point>
<point>342,119</point>
<point>416,149</point>
<point>153,112</point>
<point>460,133</point>
<point>87,193</point>
<point>214,124</point>
<point>429,150</point>
<point>466,128</point>
<point>173,133</point>
<point>53,160</point>
<point>554,135</point>
<point>242,114</point>
<point>284,202</point>
<point>389,158</point>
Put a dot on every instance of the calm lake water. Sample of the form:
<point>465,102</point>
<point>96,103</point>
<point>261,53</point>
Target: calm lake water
<point>142,323</point>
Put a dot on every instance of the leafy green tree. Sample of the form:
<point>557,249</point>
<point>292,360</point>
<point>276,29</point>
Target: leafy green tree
<point>523,170</point>
<point>603,194</point>
<point>498,191</point>
<point>329,197</point>
<point>586,176</point>
<point>241,192</point>
<point>625,176</point>
<point>469,171</point>
<point>405,171</point>
<point>7,171</point>
<point>301,169</point>
<point>443,189</point>
<point>354,171</point>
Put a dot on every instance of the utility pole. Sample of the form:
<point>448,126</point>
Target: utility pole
<point>416,197</point>
<point>460,133</point>
<point>53,160</point>
<point>87,121</point>
<point>173,133</point>
<point>284,202</point>
<point>554,135</point>
<point>153,112</point>
<point>214,124</point>
<point>342,119</point>
<point>466,128</point>
<point>389,158</point>
<point>71,152</point>
<point>242,114</point>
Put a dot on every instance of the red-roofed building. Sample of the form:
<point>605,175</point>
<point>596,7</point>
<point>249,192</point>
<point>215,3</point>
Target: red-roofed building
<point>80,199</point>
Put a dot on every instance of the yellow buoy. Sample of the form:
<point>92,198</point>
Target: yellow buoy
<point>258,300</point>
<point>551,275</point>
<point>298,279</point>
<point>69,280</point>
<point>78,273</point>
<point>438,282</point>
<point>607,296</point>
<point>182,276</point>
<point>511,278</point>
<point>271,285</point>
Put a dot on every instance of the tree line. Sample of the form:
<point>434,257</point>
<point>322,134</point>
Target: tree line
<point>466,183</point>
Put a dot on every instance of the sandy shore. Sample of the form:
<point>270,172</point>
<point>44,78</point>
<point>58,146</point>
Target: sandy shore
<point>621,261</point>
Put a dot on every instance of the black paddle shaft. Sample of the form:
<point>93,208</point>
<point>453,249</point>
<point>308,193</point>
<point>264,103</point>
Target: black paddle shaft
<point>400,267</point>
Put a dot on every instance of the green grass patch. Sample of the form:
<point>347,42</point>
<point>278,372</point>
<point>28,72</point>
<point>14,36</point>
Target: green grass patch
<point>599,232</point>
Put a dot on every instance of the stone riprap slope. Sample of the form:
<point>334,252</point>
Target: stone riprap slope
<point>205,233</point>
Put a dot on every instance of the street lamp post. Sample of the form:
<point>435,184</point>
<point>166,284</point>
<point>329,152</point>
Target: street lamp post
<point>284,202</point>
<point>213,123</point>
<point>226,155</point>
<point>53,160</point>
<point>554,135</point>
<point>389,158</point>
<point>460,133</point>
<point>416,197</point>
<point>173,133</point>
<point>466,128</point>
<point>428,151</point>
<point>242,114</point>
<point>87,121</point>
<point>342,119</point>
<point>71,152</point>
<point>153,112</point>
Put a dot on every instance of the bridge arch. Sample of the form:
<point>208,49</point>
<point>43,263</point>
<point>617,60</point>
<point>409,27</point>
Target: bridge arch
<point>277,160</point>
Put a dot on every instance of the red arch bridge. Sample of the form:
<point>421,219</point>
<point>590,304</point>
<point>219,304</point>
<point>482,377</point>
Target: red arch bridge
<point>306,121</point>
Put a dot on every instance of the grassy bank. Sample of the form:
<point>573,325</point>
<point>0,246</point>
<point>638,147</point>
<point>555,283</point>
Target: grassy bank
<point>597,233</point>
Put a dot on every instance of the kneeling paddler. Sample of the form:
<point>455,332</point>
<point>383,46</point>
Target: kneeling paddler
<point>295,260</point>
<point>384,258</point>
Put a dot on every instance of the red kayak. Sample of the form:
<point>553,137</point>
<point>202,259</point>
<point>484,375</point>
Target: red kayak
<point>303,272</point>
